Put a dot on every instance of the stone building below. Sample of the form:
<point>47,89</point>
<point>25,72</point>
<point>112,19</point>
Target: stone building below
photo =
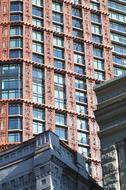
<point>44,163</point>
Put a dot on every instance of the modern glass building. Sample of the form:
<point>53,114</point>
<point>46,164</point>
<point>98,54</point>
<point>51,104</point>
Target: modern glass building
<point>52,53</point>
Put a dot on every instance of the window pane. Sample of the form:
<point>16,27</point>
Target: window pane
<point>79,69</point>
<point>16,53</point>
<point>98,64</point>
<point>59,64</point>
<point>99,75</point>
<point>80,84</point>
<point>16,6</point>
<point>82,138</point>
<point>38,127</point>
<point>59,53</point>
<point>58,41</point>
<point>61,132</point>
<point>37,58</point>
<point>37,2</point>
<point>36,35</point>
<point>37,11</point>
<point>57,17</point>
<point>16,17</point>
<point>83,150</point>
<point>60,119</point>
<point>57,28</point>
<point>82,124</point>
<point>76,12</point>
<point>15,109</point>
<point>57,6</point>
<point>16,43</point>
<point>97,52</point>
<point>81,109</point>
<point>15,123</point>
<point>37,22</point>
<point>79,59</point>
<point>14,137</point>
<point>78,47</point>
<point>38,114</point>
<point>16,31</point>
<point>77,23</point>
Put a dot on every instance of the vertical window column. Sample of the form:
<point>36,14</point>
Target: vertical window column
<point>37,13</point>
<point>57,16</point>
<point>61,126</point>
<point>38,120</point>
<point>14,123</point>
<point>106,42</point>
<point>38,86</point>
<point>83,137</point>
<point>58,52</point>
<point>16,11</point>
<point>60,91</point>
<point>81,96</point>
<point>96,28</point>
<point>16,41</point>
<point>77,25</point>
<point>37,47</point>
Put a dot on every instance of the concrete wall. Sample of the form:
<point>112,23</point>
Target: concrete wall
<point>111,117</point>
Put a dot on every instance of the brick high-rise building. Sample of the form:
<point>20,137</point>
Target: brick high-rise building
<point>52,53</point>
